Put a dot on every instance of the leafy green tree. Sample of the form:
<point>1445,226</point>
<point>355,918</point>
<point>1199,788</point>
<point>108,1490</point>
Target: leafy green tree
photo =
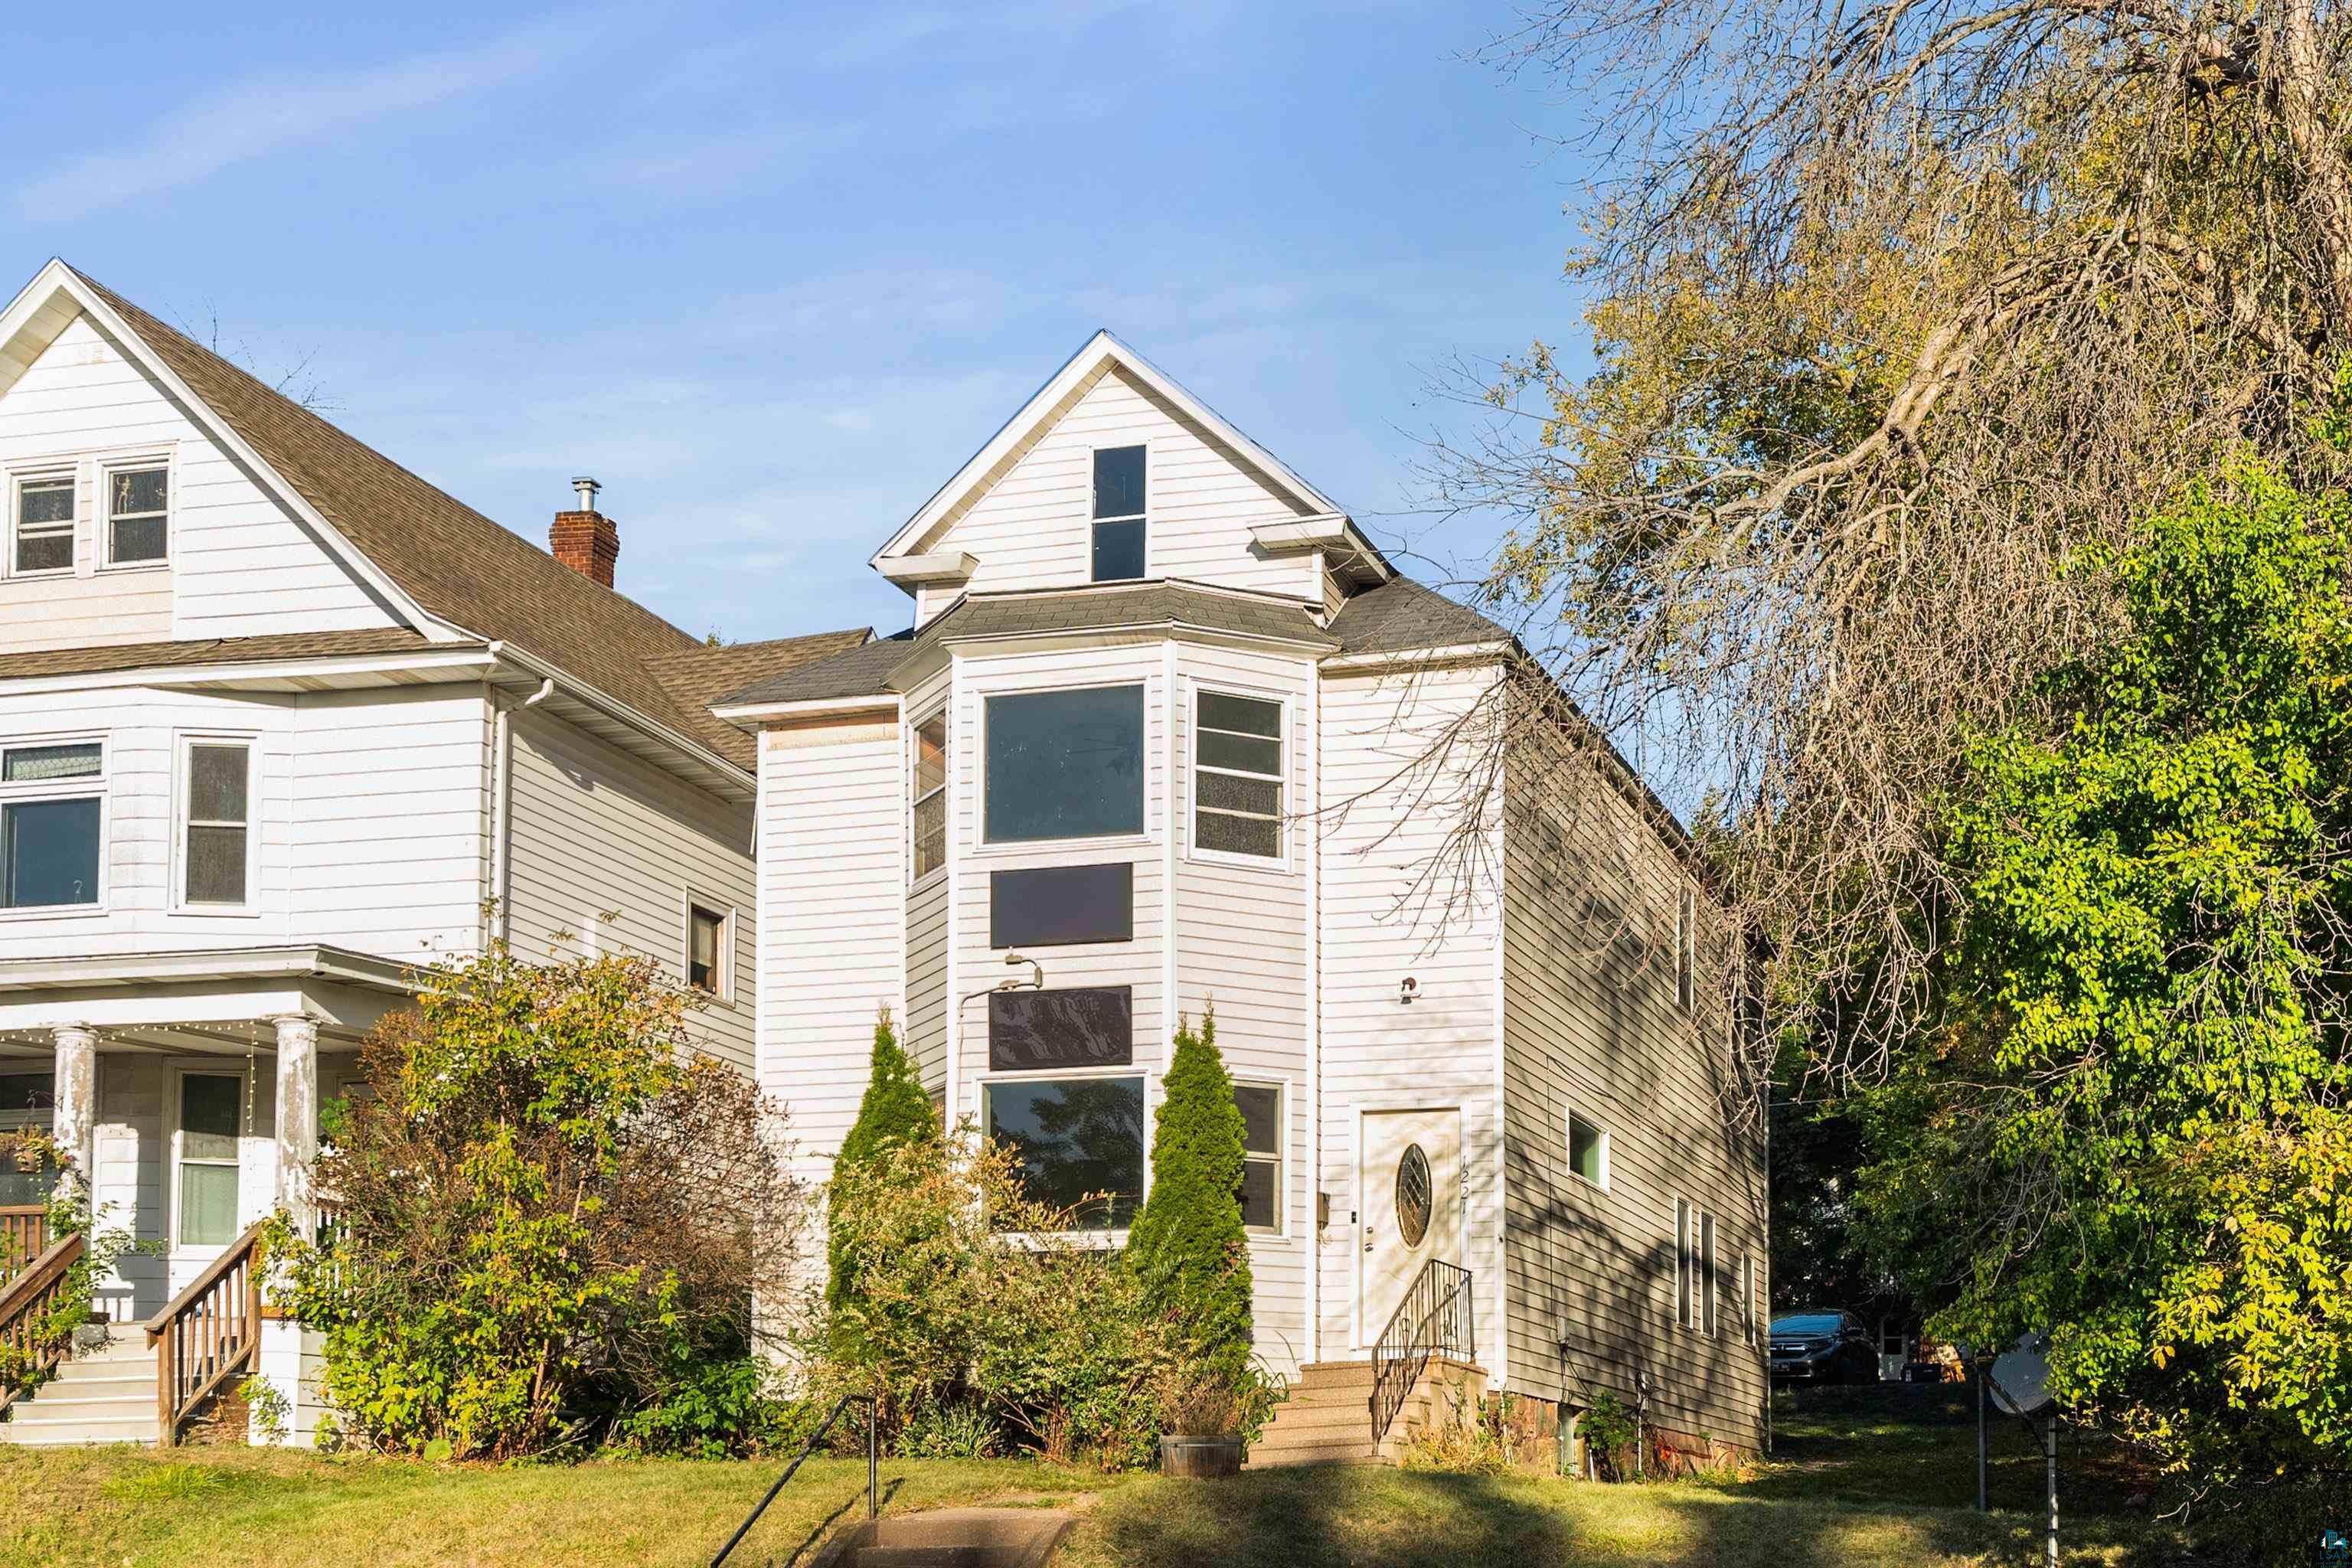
<point>2127,1130</point>
<point>1188,1246</point>
<point>895,1112</point>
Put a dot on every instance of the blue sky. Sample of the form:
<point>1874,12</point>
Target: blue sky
<point>772,273</point>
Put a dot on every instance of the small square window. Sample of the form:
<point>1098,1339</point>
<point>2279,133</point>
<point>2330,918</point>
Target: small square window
<point>45,525</point>
<point>705,950</point>
<point>137,515</point>
<point>1588,1151</point>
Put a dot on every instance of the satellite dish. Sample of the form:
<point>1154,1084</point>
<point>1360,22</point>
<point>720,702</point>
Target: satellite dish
<point>2020,1376</point>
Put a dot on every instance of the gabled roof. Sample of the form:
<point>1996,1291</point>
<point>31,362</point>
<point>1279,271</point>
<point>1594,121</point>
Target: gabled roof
<point>433,552</point>
<point>1096,356</point>
<point>869,671</point>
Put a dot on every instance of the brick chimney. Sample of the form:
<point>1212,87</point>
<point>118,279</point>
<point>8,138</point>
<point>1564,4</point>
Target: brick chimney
<point>586,540</point>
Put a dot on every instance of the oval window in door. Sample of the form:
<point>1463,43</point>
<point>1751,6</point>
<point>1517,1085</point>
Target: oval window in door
<point>1412,1196</point>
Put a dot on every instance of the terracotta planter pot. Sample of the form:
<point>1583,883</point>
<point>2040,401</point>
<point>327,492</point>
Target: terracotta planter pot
<point>1200,1458</point>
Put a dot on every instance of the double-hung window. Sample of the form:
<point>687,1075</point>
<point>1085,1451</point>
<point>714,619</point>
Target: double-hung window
<point>52,817</point>
<point>1237,775</point>
<point>1064,764</point>
<point>1261,1183</point>
<point>1118,541</point>
<point>206,1153</point>
<point>1695,1294</point>
<point>137,514</point>
<point>44,538</point>
<point>707,940</point>
<point>928,785</point>
<point>215,843</point>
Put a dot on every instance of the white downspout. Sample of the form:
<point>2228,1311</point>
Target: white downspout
<point>503,785</point>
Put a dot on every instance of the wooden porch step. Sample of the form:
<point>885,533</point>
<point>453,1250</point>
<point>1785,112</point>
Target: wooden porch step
<point>28,1429</point>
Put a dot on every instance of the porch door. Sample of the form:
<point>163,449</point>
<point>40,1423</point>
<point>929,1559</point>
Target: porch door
<point>204,1159</point>
<point>1409,1186</point>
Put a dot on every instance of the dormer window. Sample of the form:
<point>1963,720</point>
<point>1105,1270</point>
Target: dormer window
<point>1119,514</point>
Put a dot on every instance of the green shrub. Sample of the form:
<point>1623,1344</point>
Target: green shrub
<point>552,1223</point>
<point>1188,1248</point>
<point>971,1293</point>
<point>895,1110</point>
<point>51,1329</point>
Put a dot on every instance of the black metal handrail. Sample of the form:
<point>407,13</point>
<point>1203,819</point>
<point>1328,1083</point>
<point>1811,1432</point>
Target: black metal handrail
<point>1437,1316</point>
<point>873,1469</point>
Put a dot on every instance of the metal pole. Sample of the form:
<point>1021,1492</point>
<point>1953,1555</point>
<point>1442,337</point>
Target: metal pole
<point>2049,1446</point>
<point>873,1462</point>
<point>1983,1371</point>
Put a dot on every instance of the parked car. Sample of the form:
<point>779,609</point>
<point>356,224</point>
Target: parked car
<point>1822,1347</point>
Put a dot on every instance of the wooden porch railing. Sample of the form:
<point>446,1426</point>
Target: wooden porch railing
<point>24,1235</point>
<point>23,1301</point>
<point>210,1333</point>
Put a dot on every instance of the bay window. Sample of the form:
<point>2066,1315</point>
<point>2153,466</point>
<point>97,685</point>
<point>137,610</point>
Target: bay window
<point>1237,775</point>
<point>1079,1142</point>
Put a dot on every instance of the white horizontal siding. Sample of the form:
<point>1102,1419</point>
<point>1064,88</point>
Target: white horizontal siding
<point>1033,527</point>
<point>240,563</point>
<point>1383,773</point>
<point>832,877</point>
<point>653,843</point>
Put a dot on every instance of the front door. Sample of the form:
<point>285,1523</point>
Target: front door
<point>204,1158</point>
<point>1409,1185</point>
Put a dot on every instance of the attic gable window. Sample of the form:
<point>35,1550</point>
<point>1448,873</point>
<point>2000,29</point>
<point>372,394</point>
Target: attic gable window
<point>137,515</point>
<point>45,525</point>
<point>1119,514</point>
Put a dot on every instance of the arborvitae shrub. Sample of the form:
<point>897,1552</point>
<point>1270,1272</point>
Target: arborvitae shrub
<point>895,1112</point>
<point>1188,1247</point>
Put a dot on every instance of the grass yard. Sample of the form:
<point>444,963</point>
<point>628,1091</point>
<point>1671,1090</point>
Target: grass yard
<point>1879,1478</point>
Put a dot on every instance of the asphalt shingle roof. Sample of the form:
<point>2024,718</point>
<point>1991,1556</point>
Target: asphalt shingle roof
<point>867,672</point>
<point>1402,616</point>
<point>458,564</point>
<point>208,650</point>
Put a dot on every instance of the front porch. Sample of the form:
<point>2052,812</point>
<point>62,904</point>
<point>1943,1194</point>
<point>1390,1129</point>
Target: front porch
<point>182,1092</point>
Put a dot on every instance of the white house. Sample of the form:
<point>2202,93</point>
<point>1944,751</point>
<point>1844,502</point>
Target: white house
<point>1169,732</point>
<point>279,722</point>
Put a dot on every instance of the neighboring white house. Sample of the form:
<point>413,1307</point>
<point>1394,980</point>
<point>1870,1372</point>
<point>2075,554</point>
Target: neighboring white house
<point>280,721</point>
<point>1169,729</point>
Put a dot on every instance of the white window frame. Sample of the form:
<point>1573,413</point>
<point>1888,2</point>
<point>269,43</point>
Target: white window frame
<point>99,788</point>
<point>1150,489</point>
<point>1058,846</point>
<point>723,994</point>
<point>34,474</point>
<point>1279,1159</point>
<point>1568,1133</point>
<point>1191,694</point>
<point>945,715</point>
<point>1109,1240</point>
<point>1686,1263</point>
<point>224,1067</point>
<point>183,804</point>
<point>1711,1312</point>
<point>104,510</point>
<point>1751,1279</point>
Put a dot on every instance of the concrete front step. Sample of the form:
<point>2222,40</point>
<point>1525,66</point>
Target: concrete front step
<point>951,1538</point>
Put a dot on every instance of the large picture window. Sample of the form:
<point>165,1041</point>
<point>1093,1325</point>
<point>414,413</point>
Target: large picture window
<point>1079,1141</point>
<point>1119,552</point>
<point>1066,764</point>
<point>1237,775</point>
<point>51,817</point>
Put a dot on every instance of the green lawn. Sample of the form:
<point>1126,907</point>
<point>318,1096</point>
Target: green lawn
<point>1860,1479</point>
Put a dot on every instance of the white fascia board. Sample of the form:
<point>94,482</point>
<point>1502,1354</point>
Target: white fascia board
<point>1325,530</point>
<point>814,708</point>
<point>57,279</point>
<point>1129,632</point>
<point>454,660</point>
<point>1415,657</point>
<point>305,960</point>
<point>1102,346</point>
<point>940,566</point>
<point>742,780</point>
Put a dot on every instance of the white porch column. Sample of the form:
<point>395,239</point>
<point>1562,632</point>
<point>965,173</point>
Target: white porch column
<point>75,1126</point>
<point>297,1114</point>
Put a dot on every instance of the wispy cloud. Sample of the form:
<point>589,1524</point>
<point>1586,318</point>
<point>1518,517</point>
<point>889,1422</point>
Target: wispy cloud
<point>264,113</point>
